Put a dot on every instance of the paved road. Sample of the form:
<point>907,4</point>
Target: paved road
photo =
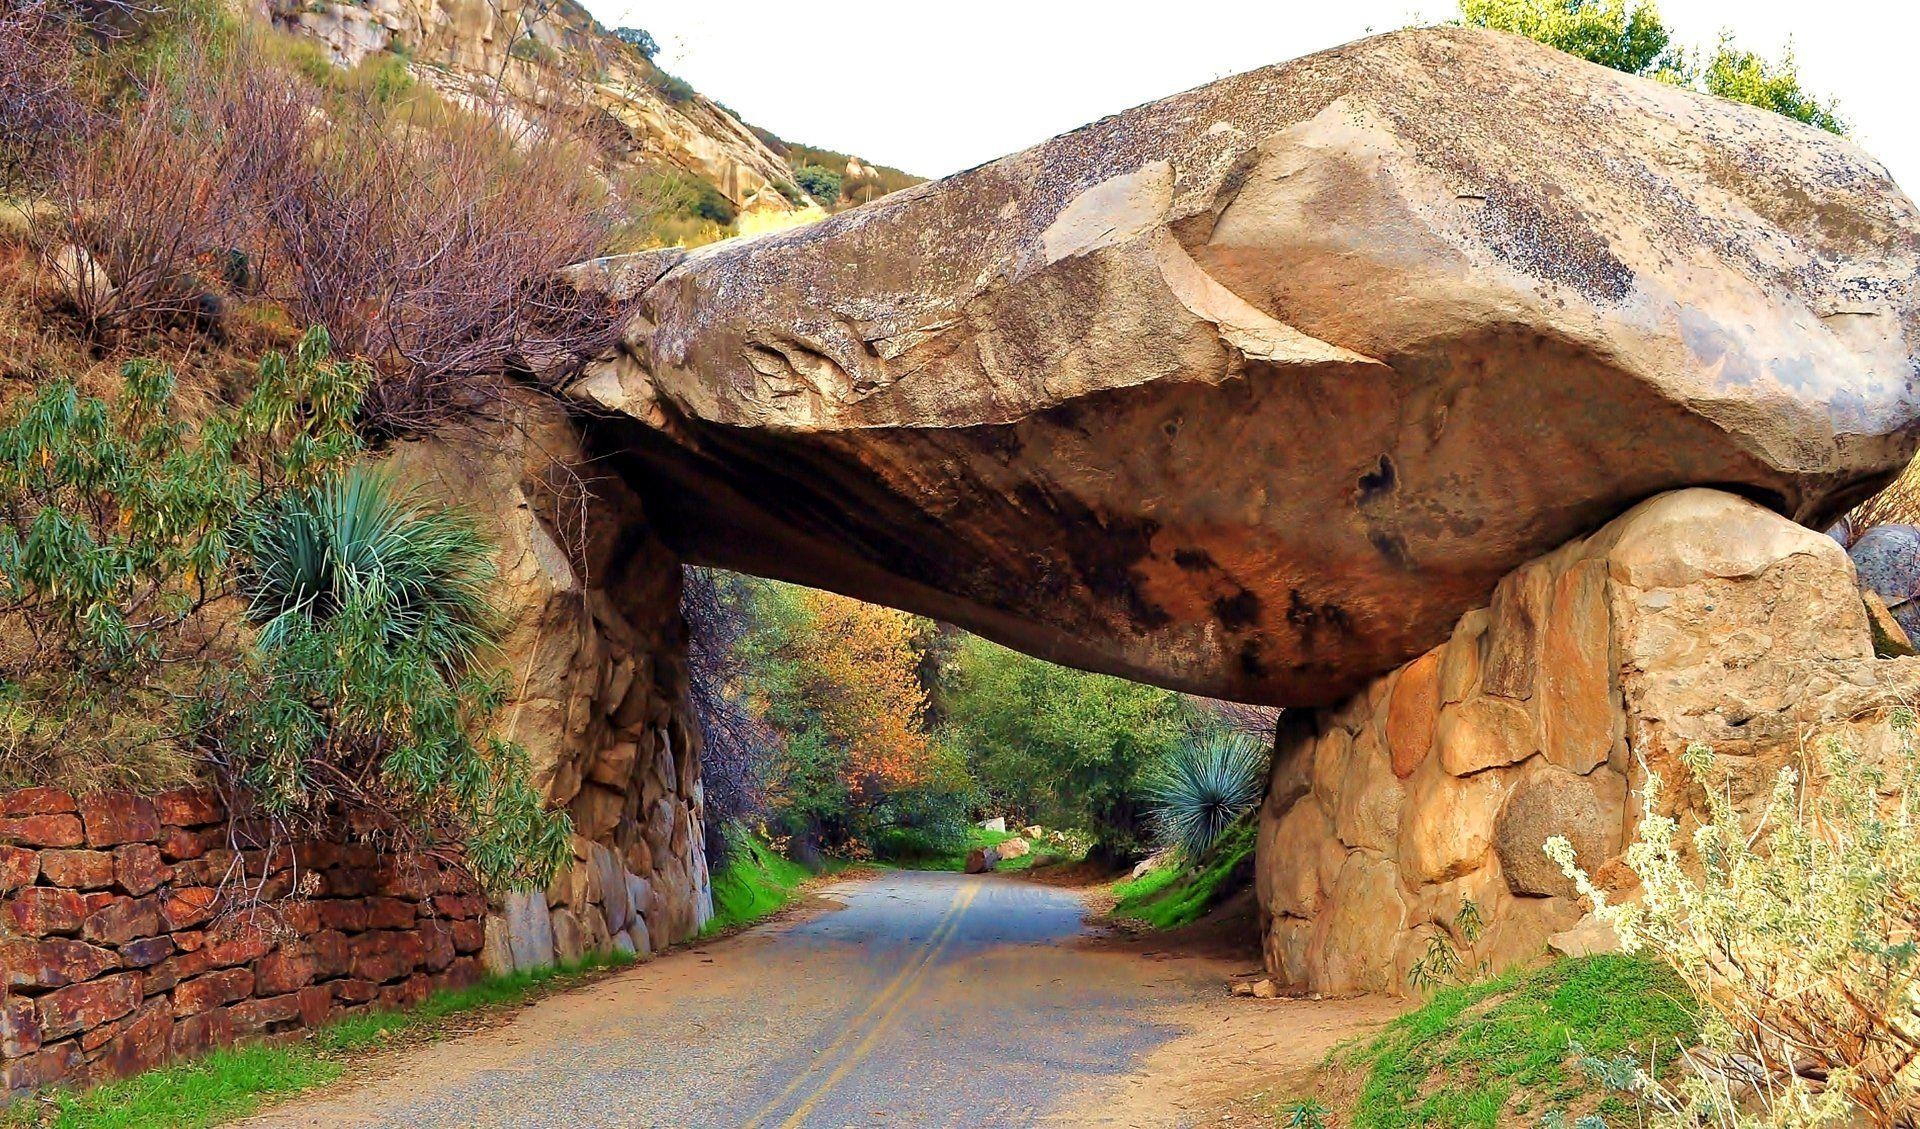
<point>928,1000</point>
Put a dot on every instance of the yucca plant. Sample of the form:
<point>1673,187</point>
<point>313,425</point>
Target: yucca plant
<point>359,541</point>
<point>1199,790</point>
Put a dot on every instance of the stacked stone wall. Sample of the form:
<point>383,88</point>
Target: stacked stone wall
<point>1695,617</point>
<point>135,930</point>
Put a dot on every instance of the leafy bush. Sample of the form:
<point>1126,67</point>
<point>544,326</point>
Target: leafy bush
<point>1628,35</point>
<point>639,39</point>
<point>1796,931</point>
<point>1058,746</point>
<point>1206,785</point>
<point>38,105</point>
<point>358,697</point>
<point>673,88</point>
<point>823,184</point>
<point>1746,77</point>
<point>123,530</point>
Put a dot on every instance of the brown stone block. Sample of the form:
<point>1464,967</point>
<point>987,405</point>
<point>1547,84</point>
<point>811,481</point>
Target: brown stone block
<point>146,951</point>
<point>346,914</point>
<point>412,879</point>
<point>57,1063</point>
<point>1412,711</point>
<point>113,818</point>
<point>468,935</point>
<point>190,807</point>
<point>410,992</point>
<point>332,956</point>
<point>19,1026</point>
<point>1519,618</point>
<point>194,1035</point>
<point>203,993</point>
<point>179,844</point>
<point>254,1016</point>
<point>19,867</point>
<point>316,1004</point>
<point>355,991</point>
<point>385,957</point>
<point>80,1006</point>
<point>139,869</point>
<point>240,940</point>
<point>389,913</point>
<point>38,911</point>
<point>36,801</point>
<point>53,963</point>
<point>287,970</point>
<point>140,1044</point>
<point>350,881</point>
<point>188,906</point>
<point>123,919</point>
<point>43,831</point>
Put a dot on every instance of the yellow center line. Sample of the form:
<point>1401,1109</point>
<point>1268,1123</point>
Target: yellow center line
<point>880,1025</point>
<point>852,1026</point>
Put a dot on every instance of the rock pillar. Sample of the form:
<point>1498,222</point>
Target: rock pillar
<point>1697,616</point>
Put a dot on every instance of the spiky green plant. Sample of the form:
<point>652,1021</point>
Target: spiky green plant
<point>359,540</point>
<point>1201,788</point>
<point>373,608</point>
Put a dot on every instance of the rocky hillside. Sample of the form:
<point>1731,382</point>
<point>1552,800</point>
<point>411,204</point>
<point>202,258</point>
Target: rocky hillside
<point>547,53</point>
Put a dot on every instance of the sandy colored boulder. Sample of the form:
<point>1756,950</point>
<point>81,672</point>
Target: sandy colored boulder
<point>1587,810</point>
<point>1252,391</point>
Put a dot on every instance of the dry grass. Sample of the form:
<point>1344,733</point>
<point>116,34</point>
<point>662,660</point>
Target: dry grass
<point>1898,504</point>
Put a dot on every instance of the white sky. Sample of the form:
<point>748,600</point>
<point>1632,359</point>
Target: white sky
<point>938,87</point>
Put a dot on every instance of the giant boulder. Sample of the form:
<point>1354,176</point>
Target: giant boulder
<point>1253,390</point>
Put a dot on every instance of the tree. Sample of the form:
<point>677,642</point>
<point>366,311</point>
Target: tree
<point>1628,35</point>
<point>1059,745</point>
<point>839,682</point>
<point>640,40</point>
<point>1746,77</point>
<point>819,182</point>
<point>1613,33</point>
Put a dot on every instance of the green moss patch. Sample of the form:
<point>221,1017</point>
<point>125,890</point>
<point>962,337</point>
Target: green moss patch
<point>1500,1051</point>
<point>1177,895</point>
<point>755,882</point>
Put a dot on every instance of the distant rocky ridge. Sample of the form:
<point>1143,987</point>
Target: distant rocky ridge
<point>539,51</point>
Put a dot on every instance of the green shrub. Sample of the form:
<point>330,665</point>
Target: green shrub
<point>823,184</point>
<point>1200,790</point>
<point>1174,895</point>
<point>372,610</point>
<point>1795,928</point>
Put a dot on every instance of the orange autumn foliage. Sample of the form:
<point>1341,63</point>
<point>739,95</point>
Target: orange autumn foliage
<point>860,662</point>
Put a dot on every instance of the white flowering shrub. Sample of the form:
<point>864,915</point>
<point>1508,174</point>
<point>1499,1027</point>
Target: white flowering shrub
<point>1796,928</point>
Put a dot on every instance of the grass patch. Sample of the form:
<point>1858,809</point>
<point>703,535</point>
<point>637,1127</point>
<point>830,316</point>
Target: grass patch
<point>1176,895</point>
<point>977,838</point>
<point>1498,1051</point>
<point>237,1081</point>
<point>756,881</point>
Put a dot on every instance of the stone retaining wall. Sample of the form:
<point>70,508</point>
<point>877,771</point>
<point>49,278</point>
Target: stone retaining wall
<point>135,929</point>
<point>1697,616</point>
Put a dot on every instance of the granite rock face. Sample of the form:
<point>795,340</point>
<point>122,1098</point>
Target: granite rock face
<point>1254,390</point>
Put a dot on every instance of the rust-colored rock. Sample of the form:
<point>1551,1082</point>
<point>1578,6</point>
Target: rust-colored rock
<point>138,868</point>
<point>39,911</point>
<point>122,919</point>
<point>18,867</point>
<point>77,870</point>
<point>211,990</point>
<point>1412,710</point>
<point>54,830</point>
<point>187,906</point>
<point>1252,391</point>
<point>53,962</point>
<point>189,807</point>
<point>81,1006</point>
<point>113,818</point>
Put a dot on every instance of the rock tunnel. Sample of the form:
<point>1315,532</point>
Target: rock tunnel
<point>1262,391</point>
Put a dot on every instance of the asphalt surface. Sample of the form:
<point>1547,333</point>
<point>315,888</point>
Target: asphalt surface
<point>923,999</point>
